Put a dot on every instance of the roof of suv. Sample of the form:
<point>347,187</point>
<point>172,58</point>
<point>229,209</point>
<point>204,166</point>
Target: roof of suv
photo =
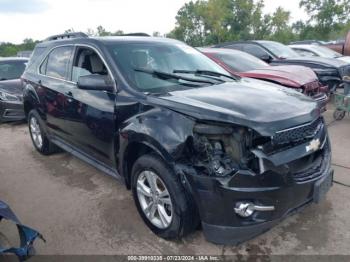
<point>106,39</point>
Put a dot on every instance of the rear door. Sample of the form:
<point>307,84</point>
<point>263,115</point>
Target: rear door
<point>90,113</point>
<point>53,87</point>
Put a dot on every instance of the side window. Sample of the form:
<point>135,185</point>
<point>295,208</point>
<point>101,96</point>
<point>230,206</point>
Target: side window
<point>38,51</point>
<point>87,62</point>
<point>255,50</point>
<point>304,52</point>
<point>237,46</point>
<point>57,62</point>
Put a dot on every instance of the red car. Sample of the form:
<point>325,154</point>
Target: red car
<point>300,78</point>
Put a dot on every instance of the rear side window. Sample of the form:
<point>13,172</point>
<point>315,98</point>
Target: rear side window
<point>254,50</point>
<point>237,46</point>
<point>38,51</point>
<point>57,63</point>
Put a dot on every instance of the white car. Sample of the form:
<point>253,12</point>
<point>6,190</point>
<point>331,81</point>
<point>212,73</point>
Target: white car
<point>317,50</point>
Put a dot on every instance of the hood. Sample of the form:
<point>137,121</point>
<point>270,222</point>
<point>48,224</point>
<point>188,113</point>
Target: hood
<point>13,87</point>
<point>291,76</point>
<point>259,105</point>
<point>304,60</point>
<point>346,59</point>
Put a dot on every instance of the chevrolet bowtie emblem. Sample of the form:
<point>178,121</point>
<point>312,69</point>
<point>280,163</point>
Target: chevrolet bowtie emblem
<point>314,145</point>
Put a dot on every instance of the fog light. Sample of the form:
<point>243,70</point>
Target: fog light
<point>246,209</point>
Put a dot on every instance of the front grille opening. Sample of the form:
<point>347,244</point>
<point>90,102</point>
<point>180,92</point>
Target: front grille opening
<point>309,167</point>
<point>299,133</point>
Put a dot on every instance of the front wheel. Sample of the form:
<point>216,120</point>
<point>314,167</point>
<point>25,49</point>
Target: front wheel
<point>163,203</point>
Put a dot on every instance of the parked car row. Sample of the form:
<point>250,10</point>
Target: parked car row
<point>301,79</point>
<point>330,71</point>
<point>195,139</point>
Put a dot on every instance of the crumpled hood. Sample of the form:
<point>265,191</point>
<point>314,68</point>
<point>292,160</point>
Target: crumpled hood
<point>293,75</point>
<point>13,87</point>
<point>259,105</point>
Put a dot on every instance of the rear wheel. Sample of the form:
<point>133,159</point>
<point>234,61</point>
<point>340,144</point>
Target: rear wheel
<point>163,203</point>
<point>39,138</point>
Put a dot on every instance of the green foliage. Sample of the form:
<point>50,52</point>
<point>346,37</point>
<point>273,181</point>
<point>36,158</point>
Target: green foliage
<point>207,22</point>
<point>328,18</point>
<point>8,49</point>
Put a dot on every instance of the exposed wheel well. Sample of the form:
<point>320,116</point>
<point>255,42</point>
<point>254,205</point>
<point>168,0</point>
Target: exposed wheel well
<point>132,153</point>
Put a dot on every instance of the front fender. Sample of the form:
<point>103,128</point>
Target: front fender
<point>164,131</point>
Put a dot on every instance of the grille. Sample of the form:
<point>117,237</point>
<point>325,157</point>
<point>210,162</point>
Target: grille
<point>299,133</point>
<point>319,166</point>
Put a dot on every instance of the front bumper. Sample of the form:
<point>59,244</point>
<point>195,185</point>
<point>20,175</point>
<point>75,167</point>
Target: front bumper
<point>288,192</point>
<point>11,111</point>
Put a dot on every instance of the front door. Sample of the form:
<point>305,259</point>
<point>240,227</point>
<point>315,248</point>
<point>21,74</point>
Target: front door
<point>90,113</point>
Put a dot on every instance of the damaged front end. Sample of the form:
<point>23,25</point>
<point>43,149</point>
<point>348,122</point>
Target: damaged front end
<point>244,183</point>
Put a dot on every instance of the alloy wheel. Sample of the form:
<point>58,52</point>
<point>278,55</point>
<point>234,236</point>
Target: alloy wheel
<point>36,132</point>
<point>154,199</point>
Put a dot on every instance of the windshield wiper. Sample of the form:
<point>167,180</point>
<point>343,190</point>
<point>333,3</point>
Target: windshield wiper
<point>205,73</point>
<point>3,79</point>
<point>164,75</point>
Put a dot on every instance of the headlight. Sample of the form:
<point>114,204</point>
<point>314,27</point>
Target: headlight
<point>217,148</point>
<point>8,97</point>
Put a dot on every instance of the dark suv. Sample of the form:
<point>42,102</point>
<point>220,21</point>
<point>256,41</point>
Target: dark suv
<point>194,144</point>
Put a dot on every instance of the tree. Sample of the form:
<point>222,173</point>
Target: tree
<point>101,31</point>
<point>280,30</point>
<point>327,16</point>
<point>190,24</point>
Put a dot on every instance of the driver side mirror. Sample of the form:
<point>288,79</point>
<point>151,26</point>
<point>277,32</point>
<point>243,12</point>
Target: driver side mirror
<point>95,82</point>
<point>266,57</point>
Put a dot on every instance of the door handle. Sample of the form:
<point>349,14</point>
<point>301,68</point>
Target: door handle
<point>69,96</point>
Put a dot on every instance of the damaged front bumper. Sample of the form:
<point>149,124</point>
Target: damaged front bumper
<point>287,181</point>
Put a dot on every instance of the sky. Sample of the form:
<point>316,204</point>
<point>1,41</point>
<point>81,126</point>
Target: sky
<point>38,19</point>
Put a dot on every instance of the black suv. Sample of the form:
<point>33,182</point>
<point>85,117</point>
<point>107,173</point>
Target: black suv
<point>194,144</point>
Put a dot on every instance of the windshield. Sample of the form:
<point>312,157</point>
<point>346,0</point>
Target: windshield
<point>326,52</point>
<point>240,62</point>
<point>11,69</point>
<point>137,61</point>
<point>279,50</point>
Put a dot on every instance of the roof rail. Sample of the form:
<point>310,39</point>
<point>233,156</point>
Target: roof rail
<point>66,36</point>
<point>135,34</point>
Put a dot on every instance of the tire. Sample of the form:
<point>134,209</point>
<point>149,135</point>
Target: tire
<point>45,147</point>
<point>183,211</point>
<point>338,114</point>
